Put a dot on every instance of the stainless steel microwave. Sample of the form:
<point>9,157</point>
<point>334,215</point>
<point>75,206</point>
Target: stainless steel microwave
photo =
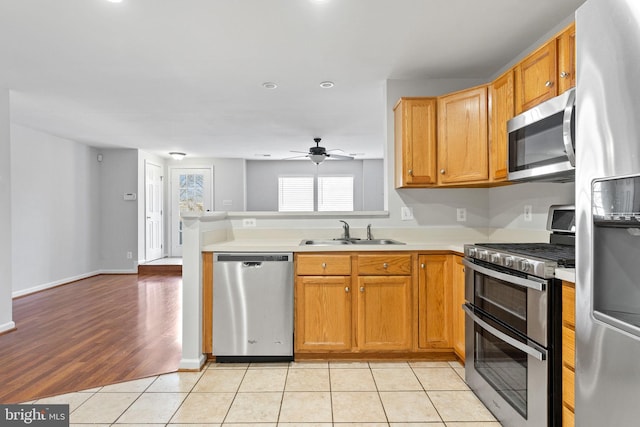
<point>541,141</point>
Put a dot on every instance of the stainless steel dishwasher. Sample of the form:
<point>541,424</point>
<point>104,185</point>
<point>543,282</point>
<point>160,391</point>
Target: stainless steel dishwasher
<point>253,307</point>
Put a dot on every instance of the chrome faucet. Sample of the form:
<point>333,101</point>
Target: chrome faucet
<point>345,227</point>
<point>369,236</point>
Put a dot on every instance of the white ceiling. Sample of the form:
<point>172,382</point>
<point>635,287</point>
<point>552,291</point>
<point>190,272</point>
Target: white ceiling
<point>186,75</point>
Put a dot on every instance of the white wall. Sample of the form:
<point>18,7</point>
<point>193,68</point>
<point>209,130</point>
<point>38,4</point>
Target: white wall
<point>119,217</point>
<point>373,177</point>
<point>262,180</point>
<point>55,210</point>
<point>6,314</point>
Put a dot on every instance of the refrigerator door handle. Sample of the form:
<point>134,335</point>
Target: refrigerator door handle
<point>566,128</point>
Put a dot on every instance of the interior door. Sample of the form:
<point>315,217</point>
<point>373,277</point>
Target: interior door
<point>153,211</point>
<point>191,191</point>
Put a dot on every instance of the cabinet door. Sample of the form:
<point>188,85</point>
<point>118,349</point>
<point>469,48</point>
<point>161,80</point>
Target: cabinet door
<point>462,137</point>
<point>323,313</point>
<point>457,314</point>
<point>567,59</point>
<point>434,302</point>
<point>384,313</point>
<point>415,142</point>
<point>501,101</point>
<point>536,77</point>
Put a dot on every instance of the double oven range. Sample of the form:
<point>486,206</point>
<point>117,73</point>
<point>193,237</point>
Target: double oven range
<point>513,323</point>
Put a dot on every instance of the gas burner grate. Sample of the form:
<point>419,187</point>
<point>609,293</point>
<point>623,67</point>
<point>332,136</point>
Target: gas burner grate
<point>564,255</point>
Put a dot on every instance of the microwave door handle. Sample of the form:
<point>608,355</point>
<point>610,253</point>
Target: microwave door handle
<point>566,128</point>
<point>540,355</point>
<point>538,286</point>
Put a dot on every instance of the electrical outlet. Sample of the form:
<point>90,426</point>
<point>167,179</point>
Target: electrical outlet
<point>406,213</point>
<point>249,222</point>
<point>129,255</point>
<point>461,214</point>
<point>528,213</point>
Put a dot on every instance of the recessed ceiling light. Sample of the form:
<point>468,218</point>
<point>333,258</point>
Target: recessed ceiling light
<point>269,85</point>
<point>327,85</point>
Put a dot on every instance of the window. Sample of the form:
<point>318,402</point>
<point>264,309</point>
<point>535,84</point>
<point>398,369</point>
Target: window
<point>295,194</point>
<point>298,193</point>
<point>335,193</point>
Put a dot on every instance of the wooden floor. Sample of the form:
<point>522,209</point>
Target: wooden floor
<point>93,332</point>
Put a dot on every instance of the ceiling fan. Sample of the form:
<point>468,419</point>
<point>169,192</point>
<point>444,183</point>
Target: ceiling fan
<point>318,154</point>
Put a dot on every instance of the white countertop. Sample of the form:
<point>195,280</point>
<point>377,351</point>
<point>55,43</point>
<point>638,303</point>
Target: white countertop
<point>566,274</point>
<point>293,245</point>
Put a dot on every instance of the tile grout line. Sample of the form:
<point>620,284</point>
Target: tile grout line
<point>384,410</point>
<point>235,395</point>
<point>427,394</point>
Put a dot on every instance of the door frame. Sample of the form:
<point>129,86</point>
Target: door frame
<point>172,195</point>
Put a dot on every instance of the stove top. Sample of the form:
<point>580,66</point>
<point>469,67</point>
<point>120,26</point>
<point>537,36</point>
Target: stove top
<point>537,259</point>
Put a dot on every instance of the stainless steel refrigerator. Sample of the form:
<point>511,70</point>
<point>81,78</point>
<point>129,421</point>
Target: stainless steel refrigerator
<point>608,213</point>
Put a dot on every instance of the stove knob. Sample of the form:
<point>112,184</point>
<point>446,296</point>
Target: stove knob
<point>524,265</point>
<point>482,255</point>
<point>495,258</point>
<point>508,261</point>
<point>471,252</point>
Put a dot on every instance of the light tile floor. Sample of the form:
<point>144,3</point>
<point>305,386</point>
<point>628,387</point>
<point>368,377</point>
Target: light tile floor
<point>299,394</point>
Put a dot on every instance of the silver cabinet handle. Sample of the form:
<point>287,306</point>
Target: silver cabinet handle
<point>324,265</point>
<point>361,288</point>
<point>422,265</point>
<point>549,83</point>
<point>346,289</point>
<point>410,171</point>
<point>564,74</point>
<point>540,355</point>
<point>442,171</point>
<point>385,265</point>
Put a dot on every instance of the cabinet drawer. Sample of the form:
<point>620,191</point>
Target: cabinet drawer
<point>323,265</point>
<point>380,265</point>
<point>568,387</point>
<point>568,347</point>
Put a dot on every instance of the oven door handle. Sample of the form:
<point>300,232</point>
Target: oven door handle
<point>528,283</point>
<point>538,354</point>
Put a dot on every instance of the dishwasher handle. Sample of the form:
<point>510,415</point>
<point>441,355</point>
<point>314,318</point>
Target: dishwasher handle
<point>252,264</point>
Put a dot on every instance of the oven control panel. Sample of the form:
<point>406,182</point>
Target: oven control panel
<point>531,265</point>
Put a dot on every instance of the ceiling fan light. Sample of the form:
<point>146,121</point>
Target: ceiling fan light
<point>317,158</point>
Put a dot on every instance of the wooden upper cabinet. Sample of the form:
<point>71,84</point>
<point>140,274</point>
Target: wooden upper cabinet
<point>567,59</point>
<point>501,109</point>
<point>536,77</point>
<point>463,155</point>
<point>415,142</point>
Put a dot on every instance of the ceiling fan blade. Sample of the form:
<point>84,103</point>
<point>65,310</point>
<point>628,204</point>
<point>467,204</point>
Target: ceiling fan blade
<point>339,157</point>
<point>302,152</point>
<point>296,157</point>
<point>336,149</point>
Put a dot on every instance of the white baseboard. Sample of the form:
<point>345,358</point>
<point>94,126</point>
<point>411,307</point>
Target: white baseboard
<point>7,326</point>
<point>44,286</point>
<point>193,364</point>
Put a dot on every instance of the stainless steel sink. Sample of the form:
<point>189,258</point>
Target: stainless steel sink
<point>377,242</point>
<point>332,242</point>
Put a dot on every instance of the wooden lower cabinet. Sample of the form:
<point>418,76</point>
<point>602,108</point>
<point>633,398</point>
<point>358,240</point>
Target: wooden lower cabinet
<point>384,313</point>
<point>568,353</point>
<point>434,302</point>
<point>323,313</point>
<point>457,315</point>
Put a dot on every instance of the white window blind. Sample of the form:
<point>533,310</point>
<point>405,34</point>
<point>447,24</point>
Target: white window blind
<point>335,193</point>
<point>295,193</point>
